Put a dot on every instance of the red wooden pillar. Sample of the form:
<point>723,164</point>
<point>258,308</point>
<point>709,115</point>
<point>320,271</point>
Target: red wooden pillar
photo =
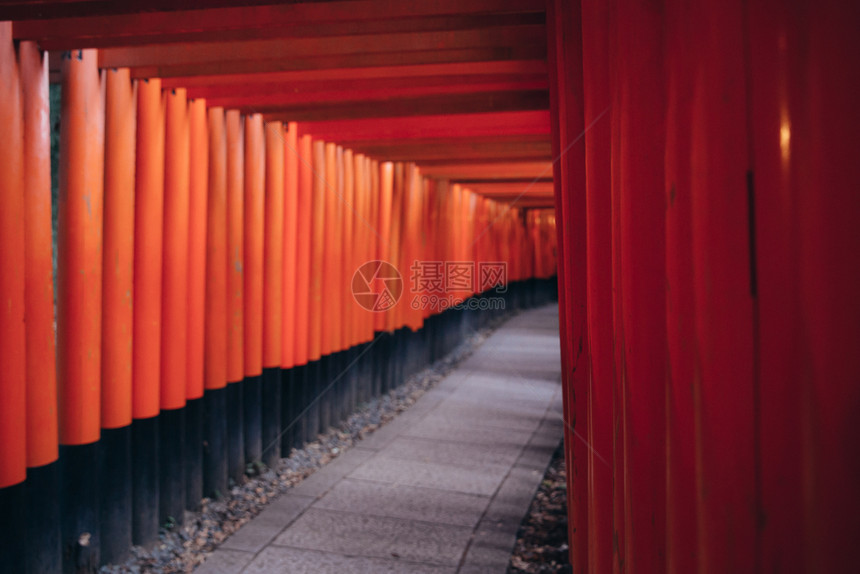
<point>302,244</point>
<point>13,407</point>
<point>565,47</point>
<point>274,294</point>
<point>118,313</point>
<point>641,211</point>
<point>254,199</point>
<point>174,298</point>
<point>723,292</point>
<point>198,188</point>
<point>829,277</point>
<point>235,292</point>
<point>289,144</point>
<point>148,242</point>
<point>79,301</point>
<point>214,398</point>
<point>596,102</point>
<point>682,518</point>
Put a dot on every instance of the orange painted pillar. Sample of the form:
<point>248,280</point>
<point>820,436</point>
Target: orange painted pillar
<point>395,247</point>
<point>273,247</point>
<point>174,300</point>
<point>43,541</point>
<point>298,421</point>
<point>304,248</point>
<point>118,311</point>
<point>360,242</point>
<point>13,407</point>
<point>383,189</point>
<point>330,252</point>
<point>198,184</point>
<point>349,249</point>
<point>215,372</point>
<point>287,239</point>
<point>235,292</point>
<point>273,294</point>
<point>79,300</point>
<point>315,292</point>
<point>146,353</point>
<point>254,195</point>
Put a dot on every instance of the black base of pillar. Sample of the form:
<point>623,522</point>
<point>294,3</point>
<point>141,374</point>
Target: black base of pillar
<point>144,483</point>
<point>252,419</point>
<point>116,505</point>
<point>43,522</point>
<point>13,513</point>
<point>193,453</point>
<point>215,443</point>
<point>235,438</point>
<point>312,414</point>
<point>323,395</point>
<point>271,401</point>
<point>171,487</point>
<point>79,508</point>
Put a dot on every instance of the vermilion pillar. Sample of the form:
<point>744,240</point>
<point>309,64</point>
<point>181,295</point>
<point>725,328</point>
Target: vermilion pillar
<point>273,293</point>
<point>723,291</point>
<point>146,362</point>
<point>79,303</point>
<point>13,407</point>
<point>595,54</point>
<point>214,421</point>
<point>198,183</point>
<point>235,292</point>
<point>174,298</point>
<point>118,313</point>
<point>301,286</point>
<point>683,388</point>
<point>642,244</point>
<point>315,289</point>
<point>254,198</point>
<point>43,541</point>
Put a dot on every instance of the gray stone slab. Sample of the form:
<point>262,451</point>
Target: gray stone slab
<point>454,453</point>
<point>482,480</point>
<point>400,501</point>
<point>225,562</point>
<point>257,533</point>
<point>467,433</point>
<point>278,560</point>
<point>377,537</point>
<point>325,478</point>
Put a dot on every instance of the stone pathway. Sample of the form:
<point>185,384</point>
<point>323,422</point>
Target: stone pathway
<point>441,489</point>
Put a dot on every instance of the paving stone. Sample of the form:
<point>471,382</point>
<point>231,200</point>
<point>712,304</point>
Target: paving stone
<point>468,433</point>
<point>322,480</point>
<point>276,560</point>
<point>377,537</point>
<point>254,535</point>
<point>224,561</point>
<point>482,480</point>
<point>400,501</point>
<point>455,453</point>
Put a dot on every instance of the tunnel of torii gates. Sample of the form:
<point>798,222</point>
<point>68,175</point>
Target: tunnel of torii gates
<point>224,169</point>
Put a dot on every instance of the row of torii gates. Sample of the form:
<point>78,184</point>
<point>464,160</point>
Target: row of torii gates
<point>687,170</point>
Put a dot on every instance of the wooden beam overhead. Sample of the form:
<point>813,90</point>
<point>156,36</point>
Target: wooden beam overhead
<point>284,98</point>
<point>531,68</point>
<point>155,17</point>
<point>202,53</point>
<point>491,171</point>
<point>339,61</point>
<point>429,105</point>
<point>478,125</point>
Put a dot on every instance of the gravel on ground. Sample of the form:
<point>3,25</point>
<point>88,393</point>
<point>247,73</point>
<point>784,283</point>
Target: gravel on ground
<point>541,546</point>
<point>183,548</point>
